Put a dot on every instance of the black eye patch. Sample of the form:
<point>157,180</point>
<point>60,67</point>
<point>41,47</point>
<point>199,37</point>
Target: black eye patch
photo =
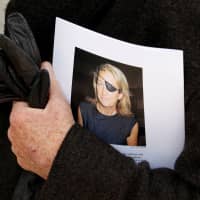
<point>110,87</point>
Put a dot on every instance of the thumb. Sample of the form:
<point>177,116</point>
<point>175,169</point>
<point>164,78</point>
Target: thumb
<point>55,89</point>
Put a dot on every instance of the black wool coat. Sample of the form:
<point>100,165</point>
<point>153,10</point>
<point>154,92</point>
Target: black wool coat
<point>91,169</point>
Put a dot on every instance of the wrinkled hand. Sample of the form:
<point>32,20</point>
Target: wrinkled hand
<point>36,134</point>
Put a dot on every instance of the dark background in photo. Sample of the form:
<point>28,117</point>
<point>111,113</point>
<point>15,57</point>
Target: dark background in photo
<point>85,63</point>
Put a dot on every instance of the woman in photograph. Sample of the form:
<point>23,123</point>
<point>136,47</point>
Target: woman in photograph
<point>109,115</point>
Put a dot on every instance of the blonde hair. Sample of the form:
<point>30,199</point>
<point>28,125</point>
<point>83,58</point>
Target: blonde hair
<point>124,104</point>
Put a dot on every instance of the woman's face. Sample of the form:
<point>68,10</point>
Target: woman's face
<point>108,92</point>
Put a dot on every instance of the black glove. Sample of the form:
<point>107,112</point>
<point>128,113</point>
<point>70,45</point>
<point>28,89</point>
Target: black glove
<point>22,79</point>
<point>20,75</point>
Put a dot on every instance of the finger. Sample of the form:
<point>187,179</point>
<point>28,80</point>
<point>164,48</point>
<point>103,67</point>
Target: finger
<point>16,151</point>
<point>21,162</point>
<point>18,105</point>
<point>55,89</point>
<point>18,108</point>
<point>10,135</point>
<point>46,65</point>
<point>16,146</point>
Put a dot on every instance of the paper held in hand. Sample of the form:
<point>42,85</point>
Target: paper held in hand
<point>106,79</point>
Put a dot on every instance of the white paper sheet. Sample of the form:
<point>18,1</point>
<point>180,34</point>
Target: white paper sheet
<point>162,80</point>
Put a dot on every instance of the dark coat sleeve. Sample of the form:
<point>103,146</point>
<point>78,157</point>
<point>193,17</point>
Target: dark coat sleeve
<point>86,168</point>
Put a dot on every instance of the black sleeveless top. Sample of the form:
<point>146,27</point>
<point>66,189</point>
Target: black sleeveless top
<point>111,129</point>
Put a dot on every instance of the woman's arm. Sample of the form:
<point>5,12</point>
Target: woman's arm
<point>132,139</point>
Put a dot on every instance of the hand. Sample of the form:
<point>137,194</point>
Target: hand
<point>36,134</point>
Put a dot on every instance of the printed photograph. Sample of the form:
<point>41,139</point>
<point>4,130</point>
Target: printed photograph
<point>107,99</point>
